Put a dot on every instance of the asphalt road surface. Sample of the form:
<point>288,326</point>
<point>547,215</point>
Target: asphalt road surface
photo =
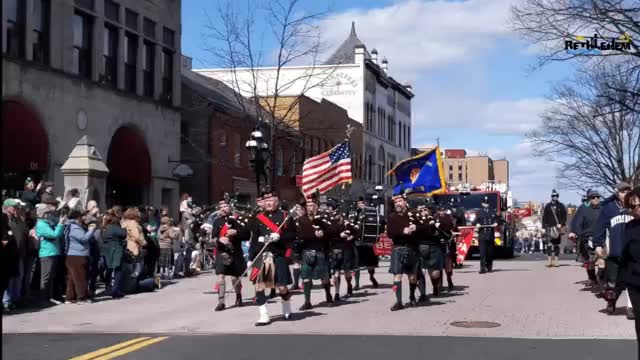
<point>311,347</point>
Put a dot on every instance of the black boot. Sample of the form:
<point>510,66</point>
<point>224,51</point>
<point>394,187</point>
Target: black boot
<point>423,299</point>
<point>413,302</point>
<point>397,306</point>
<point>349,290</point>
<point>305,306</point>
<point>272,295</point>
<point>238,300</point>
<point>220,307</point>
<point>449,282</point>
<point>336,298</point>
<point>374,282</point>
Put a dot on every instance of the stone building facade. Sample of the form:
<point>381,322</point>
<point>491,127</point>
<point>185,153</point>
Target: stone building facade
<point>103,68</point>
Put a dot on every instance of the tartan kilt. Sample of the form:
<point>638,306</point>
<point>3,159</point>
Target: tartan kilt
<point>346,261</point>
<point>404,260</point>
<point>282,274</point>
<point>431,257</point>
<point>235,269</point>
<point>365,257</point>
<point>319,270</point>
<point>165,258</point>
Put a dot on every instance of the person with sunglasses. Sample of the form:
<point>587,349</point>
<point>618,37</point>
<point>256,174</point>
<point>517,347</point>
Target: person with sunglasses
<point>582,227</point>
<point>611,222</point>
<point>554,221</point>
<point>630,261</point>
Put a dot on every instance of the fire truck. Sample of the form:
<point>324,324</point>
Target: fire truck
<point>469,200</point>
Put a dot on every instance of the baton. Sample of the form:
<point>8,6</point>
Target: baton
<point>261,250</point>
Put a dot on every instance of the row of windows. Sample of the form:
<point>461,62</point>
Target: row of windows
<point>376,172</point>
<point>83,28</point>
<point>400,138</point>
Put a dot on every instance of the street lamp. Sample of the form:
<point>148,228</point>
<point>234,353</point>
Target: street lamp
<point>259,149</point>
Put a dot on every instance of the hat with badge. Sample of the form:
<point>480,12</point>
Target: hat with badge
<point>268,191</point>
<point>485,199</point>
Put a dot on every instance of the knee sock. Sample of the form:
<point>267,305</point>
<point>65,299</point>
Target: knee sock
<point>436,284</point>
<point>349,287</point>
<point>296,276</point>
<point>422,284</point>
<point>397,288</point>
<point>371,272</point>
<point>221,291</point>
<point>261,298</point>
<point>412,291</point>
<point>286,296</point>
<point>336,283</point>
<point>273,293</point>
<point>307,291</point>
<point>357,276</point>
<point>238,286</point>
<point>591,274</point>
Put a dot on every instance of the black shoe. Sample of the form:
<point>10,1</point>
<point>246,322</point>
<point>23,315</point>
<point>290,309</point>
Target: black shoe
<point>357,287</point>
<point>272,295</point>
<point>238,301</point>
<point>490,270</point>
<point>220,307</point>
<point>630,314</point>
<point>374,282</point>
<point>611,308</point>
<point>329,300</point>
<point>349,291</point>
<point>397,306</point>
<point>305,306</point>
<point>413,302</point>
<point>423,299</point>
<point>482,271</point>
<point>336,298</point>
<point>436,291</point>
<point>450,284</point>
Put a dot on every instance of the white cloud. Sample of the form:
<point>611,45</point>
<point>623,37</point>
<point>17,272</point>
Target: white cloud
<point>418,35</point>
<point>499,117</point>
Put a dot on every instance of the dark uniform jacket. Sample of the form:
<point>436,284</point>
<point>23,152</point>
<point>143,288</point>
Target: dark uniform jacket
<point>443,232</point>
<point>306,232</point>
<point>395,229</point>
<point>235,242</point>
<point>260,233</point>
<point>630,264</point>
<point>583,225</point>
<point>486,217</point>
<point>341,226</point>
<point>548,220</point>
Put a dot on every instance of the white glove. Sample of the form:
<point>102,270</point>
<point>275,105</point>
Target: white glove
<point>477,226</point>
<point>249,263</point>
<point>274,237</point>
<point>437,225</point>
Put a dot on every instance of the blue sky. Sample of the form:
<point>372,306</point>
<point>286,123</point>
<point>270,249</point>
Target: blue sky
<point>471,75</point>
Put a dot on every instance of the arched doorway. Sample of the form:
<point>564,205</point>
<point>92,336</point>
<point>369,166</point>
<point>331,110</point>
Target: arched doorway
<point>129,166</point>
<point>25,146</point>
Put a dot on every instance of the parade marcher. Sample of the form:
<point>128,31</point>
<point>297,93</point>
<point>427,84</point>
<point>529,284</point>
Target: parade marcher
<point>228,232</point>
<point>485,222</point>
<point>343,254</point>
<point>554,220</point>
<point>272,232</point>
<point>402,228</point>
<point>314,230</point>
<point>299,211</point>
<point>431,256</point>
<point>365,256</point>
<point>582,227</point>
<point>610,225</point>
<point>445,226</point>
<point>630,260</point>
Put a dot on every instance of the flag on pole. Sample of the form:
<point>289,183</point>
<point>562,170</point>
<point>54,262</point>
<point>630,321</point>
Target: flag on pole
<point>325,171</point>
<point>422,174</point>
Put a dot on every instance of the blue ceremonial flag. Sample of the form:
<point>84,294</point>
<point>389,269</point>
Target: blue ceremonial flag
<point>422,174</point>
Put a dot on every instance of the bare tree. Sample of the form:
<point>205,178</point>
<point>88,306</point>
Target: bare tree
<point>292,37</point>
<point>549,23</point>
<point>593,129</point>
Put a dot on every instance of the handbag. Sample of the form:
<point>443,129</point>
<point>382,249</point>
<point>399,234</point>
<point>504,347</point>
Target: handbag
<point>554,232</point>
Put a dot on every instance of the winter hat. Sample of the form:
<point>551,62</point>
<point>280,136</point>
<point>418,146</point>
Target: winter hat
<point>593,193</point>
<point>554,193</point>
<point>623,186</point>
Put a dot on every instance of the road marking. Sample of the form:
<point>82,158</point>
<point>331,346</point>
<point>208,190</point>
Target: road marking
<point>132,348</point>
<point>109,349</point>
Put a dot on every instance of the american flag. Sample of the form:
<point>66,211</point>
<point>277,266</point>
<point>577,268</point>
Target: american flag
<point>327,170</point>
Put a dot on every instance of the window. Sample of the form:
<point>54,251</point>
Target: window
<point>167,74</point>
<point>292,165</point>
<point>112,10</point>
<point>15,28</point>
<point>149,28</point>
<point>148,68</point>
<point>279,159</point>
<point>408,137</point>
<point>87,4</point>
<point>184,132</point>
<point>451,177</point>
<point>110,54</point>
<point>130,61</point>
<point>82,34</point>
<point>460,176</point>
<point>369,167</point>
<point>237,154</point>
<point>131,20</point>
<point>168,37</point>
<point>40,47</point>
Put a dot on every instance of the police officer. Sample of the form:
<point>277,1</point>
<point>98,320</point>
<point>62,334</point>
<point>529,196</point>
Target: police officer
<point>485,222</point>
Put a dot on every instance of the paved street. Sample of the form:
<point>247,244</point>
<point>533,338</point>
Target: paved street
<point>541,312</point>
